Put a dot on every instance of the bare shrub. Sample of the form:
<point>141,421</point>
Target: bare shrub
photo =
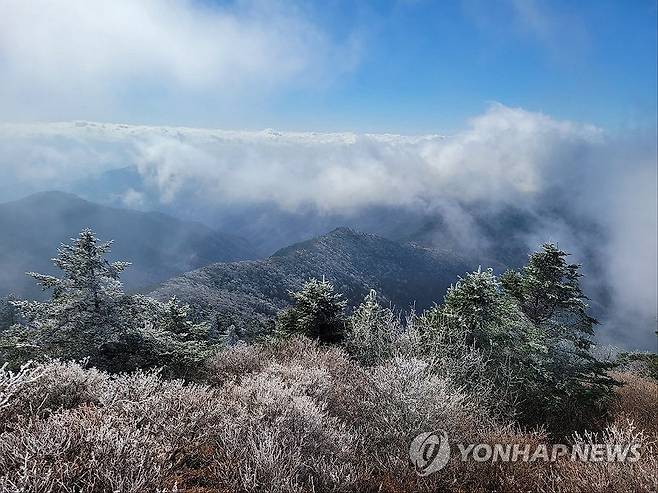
<point>58,385</point>
<point>292,416</point>
<point>471,476</point>
<point>604,476</point>
<point>637,400</point>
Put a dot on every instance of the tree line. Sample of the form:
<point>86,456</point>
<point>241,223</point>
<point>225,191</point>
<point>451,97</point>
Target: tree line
<point>526,333</point>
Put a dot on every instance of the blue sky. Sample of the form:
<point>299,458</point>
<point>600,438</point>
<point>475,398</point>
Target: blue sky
<point>382,66</point>
<point>429,65</point>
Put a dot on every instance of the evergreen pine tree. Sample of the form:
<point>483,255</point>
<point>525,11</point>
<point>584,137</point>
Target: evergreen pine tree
<point>87,307</point>
<point>574,383</point>
<point>170,340</point>
<point>231,338</point>
<point>549,292</point>
<point>372,331</point>
<point>89,316</point>
<point>477,307</point>
<point>534,328</point>
<point>477,312</point>
<point>318,312</point>
<point>8,315</point>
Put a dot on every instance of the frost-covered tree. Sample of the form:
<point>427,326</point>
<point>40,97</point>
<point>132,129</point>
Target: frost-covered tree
<point>477,306</point>
<point>230,331</point>
<point>482,325</point>
<point>89,316</point>
<point>549,293</point>
<point>532,326</point>
<point>372,331</point>
<point>169,340</point>
<point>87,309</point>
<point>8,315</point>
<point>232,337</point>
<point>318,312</point>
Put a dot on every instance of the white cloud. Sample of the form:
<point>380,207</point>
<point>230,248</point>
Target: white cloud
<point>506,157</point>
<point>63,57</point>
<point>557,29</point>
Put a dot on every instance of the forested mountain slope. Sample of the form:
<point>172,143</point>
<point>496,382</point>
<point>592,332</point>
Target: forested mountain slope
<point>248,294</point>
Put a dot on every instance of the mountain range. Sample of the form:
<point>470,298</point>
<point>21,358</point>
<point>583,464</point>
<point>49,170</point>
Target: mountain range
<point>158,245</point>
<point>224,276</point>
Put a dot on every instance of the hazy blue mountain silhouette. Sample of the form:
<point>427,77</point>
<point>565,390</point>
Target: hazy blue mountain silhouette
<point>158,245</point>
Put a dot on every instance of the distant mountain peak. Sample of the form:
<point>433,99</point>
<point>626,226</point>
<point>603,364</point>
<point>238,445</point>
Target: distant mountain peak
<point>50,194</point>
<point>159,246</point>
<point>343,230</point>
<point>250,293</point>
<point>342,233</point>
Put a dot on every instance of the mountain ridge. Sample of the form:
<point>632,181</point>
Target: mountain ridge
<point>249,293</point>
<point>158,245</point>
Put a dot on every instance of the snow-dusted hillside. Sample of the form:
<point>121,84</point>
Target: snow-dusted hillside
<point>248,294</point>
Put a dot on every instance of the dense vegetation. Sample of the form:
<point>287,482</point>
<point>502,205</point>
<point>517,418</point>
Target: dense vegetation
<point>107,391</point>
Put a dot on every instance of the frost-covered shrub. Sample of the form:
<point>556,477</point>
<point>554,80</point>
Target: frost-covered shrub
<point>13,384</point>
<point>131,436</point>
<point>643,364</point>
<point>410,397</point>
<point>373,412</point>
<point>243,359</point>
<point>52,386</point>
<point>291,416</point>
<point>235,361</point>
<point>279,430</point>
<point>604,476</point>
<point>403,399</point>
<point>84,449</point>
<point>376,335</point>
<point>137,431</point>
